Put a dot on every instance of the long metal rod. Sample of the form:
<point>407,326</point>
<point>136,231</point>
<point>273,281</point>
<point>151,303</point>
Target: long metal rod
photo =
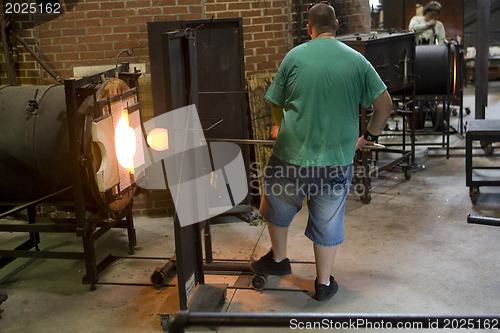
<point>24,206</point>
<point>332,321</point>
<point>39,60</point>
<point>11,72</point>
<point>483,220</point>
<point>242,141</point>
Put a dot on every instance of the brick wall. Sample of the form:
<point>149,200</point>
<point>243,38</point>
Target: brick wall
<point>93,32</point>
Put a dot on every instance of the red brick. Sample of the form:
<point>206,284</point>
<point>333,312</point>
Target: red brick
<point>97,14</point>
<point>66,56</point>
<point>114,37</point>
<point>53,49</point>
<point>63,40</point>
<point>226,15</point>
<point>267,66</point>
<point>164,3</point>
<point>90,39</point>
<point>239,6</point>
<point>73,16</point>
<point>190,17</point>
<point>45,33</point>
<point>138,3</point>
<point>125,29</point>
<point>138,20</point>
<point>256,59</point>
<point>253,28</point>
<point>149,11</point>
<point>189,2</point>
<point>195,9</point>
<point>263,35</point>
<point>115,5</point>
<point>174,10</point>
<point>274,27</point>
<point>72,48</point>
<point>126,12</point>
<point>113,22</point>
<point>126,44</point>
<point>92,55</point>
<point>73,32</point>
<point>251,44</point>
<point>101,31</point>
<point>215,7</point>
<point>100,46</point>
<point>90,23</point>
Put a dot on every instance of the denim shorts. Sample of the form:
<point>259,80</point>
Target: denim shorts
<point>325,187</point>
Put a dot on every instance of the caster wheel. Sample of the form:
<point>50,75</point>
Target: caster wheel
<point>259,281</point>
<point>474,194</point>
<point>488,148</point>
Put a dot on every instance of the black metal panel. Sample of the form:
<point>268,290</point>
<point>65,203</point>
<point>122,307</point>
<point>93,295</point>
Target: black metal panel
<point>155,32</point>
<point>392,55</point>
<point>220,73</point>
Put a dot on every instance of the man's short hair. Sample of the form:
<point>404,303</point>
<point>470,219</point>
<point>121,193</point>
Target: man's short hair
<point>432,6</point>
<point>322,18</point>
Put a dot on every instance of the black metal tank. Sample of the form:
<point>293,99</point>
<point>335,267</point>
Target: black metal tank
<point>34,145</point>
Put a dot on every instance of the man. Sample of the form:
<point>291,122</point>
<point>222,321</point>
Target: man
<point>315,99</point>
<point>427,28</point>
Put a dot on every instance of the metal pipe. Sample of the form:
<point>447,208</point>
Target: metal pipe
<point>11,72</point>
<point>242,141</point>
<point>39,60</point>
<point>483,220</point>
<point>182,320</point>
<point>159,276</point>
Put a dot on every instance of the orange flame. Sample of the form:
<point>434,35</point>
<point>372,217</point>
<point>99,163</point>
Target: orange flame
<point>125,143</point>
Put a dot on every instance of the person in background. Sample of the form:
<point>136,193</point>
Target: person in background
<point>427,28</point>
<point>315,99</point>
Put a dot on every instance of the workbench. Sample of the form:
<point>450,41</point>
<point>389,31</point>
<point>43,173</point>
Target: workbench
<point>487,132</point>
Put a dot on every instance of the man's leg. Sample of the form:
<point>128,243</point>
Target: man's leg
<point>279,236</point>
<point>275,261</point>
<point>325,258</point>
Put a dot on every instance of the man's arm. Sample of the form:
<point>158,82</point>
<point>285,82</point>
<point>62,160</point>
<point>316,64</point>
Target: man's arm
<point>277,116</point>
<point>382,108</point>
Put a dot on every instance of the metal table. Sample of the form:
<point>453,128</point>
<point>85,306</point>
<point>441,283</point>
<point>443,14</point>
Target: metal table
<point>485,131</point>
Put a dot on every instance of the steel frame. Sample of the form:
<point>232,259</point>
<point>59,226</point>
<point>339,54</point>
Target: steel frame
<point>88,228</point>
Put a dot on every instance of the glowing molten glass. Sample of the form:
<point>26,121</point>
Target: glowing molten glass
<point>125,143</point>
<point>158,139</point>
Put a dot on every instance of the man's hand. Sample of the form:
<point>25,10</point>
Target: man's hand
<point>274,131</point>
<point>362,142</point>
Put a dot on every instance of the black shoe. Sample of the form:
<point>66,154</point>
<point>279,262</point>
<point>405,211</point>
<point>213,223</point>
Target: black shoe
<point>267,266</point>
<point>324,292</point>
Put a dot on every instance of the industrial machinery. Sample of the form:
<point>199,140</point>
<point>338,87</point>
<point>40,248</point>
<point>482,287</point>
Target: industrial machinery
<point>392,55</point>
<point>60,147</point>
<point>440,75</point>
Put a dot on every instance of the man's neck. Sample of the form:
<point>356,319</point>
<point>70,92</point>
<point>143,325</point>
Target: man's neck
<point>325,35</point>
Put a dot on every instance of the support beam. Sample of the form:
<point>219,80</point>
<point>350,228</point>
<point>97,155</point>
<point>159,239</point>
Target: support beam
<point>482,55</point>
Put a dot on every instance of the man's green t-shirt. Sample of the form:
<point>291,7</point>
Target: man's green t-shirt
<point>320,85</point>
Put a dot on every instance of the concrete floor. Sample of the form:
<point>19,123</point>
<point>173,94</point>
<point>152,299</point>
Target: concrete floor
<point>410,250</point>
